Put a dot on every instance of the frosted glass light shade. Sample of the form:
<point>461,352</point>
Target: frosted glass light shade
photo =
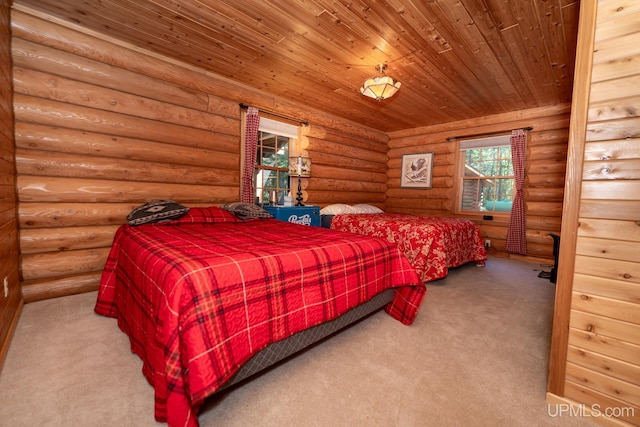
<point>380,87</point>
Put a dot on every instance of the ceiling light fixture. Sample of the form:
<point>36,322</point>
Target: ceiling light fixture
<point>380,87</point>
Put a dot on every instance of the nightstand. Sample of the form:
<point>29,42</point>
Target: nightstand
<point>305,215</point>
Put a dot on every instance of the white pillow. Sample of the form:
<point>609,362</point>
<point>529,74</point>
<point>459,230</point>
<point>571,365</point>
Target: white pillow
<point>367,209</point>
<point>335,209</point>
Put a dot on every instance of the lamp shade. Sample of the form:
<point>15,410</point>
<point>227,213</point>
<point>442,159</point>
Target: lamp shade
<point>380,87</point>
<point>300,166</point>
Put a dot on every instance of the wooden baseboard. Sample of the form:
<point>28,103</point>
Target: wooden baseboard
<point>561,406</point>
<point>4,346</point>
<point>524,258</point>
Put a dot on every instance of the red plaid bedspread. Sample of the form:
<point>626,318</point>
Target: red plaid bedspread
<point>197,301</point>
<point>432,244</point>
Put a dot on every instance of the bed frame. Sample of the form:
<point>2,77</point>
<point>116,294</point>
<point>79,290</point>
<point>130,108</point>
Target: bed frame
<point>280,350</point>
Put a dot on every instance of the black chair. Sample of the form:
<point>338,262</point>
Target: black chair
<point>556,252</point>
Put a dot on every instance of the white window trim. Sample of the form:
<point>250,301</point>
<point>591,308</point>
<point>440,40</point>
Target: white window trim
<point>280,129</point>
<point>470,144</point>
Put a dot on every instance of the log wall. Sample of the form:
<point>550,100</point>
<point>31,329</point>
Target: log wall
<point>347,169</point>
<point>544,174</point>
<point>595,358</point>
<point>10,296</point>
<point>102,127</point>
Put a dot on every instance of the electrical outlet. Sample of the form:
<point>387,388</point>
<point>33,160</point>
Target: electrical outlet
<point>6,287</point>
<point>487,244</point>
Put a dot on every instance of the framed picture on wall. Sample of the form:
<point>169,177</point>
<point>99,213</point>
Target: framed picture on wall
<point>417,170</point>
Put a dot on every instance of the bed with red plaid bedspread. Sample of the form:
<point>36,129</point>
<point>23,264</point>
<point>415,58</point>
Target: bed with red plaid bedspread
<point>432,244</point>
<point>197,300</point>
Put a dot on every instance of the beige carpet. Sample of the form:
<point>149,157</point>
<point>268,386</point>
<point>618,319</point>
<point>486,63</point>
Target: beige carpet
<point>477,355</point>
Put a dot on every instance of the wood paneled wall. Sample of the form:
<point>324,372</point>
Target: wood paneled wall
<point>102,127</point>
<point>10,297</point>
<point>599,283</point>
<point>544,173</point>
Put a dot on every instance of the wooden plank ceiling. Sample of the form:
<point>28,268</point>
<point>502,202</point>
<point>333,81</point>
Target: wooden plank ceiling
<point>456,59</point>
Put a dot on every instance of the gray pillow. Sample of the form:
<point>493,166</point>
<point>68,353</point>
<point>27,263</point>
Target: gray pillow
<point>156,211</point>
<point>246,210</point>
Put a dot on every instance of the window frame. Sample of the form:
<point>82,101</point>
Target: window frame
<point>277,129</point>
<point>462,146</point>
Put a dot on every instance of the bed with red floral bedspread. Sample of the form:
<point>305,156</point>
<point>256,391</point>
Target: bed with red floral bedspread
<point>200,295</point>
<point>432,244</point>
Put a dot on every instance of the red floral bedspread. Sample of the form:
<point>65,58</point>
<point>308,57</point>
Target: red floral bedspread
<point>198,300</point>
<point>432,244</point>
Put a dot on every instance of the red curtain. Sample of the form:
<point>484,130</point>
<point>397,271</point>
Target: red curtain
<point>252,120</point>
<point>517,233</point>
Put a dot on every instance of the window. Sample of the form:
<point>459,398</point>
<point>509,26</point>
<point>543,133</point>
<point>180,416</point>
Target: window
<point>275,141</point>
<point>486,181</point>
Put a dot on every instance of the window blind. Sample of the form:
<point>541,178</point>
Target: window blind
<point>278,128</point>
<point>493,141</point>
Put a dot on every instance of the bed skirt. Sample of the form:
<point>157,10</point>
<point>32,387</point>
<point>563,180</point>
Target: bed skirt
<point>277,351</point>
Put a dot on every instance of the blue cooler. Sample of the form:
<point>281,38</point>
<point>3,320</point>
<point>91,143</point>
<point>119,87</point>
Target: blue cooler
<point>305,215</point>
